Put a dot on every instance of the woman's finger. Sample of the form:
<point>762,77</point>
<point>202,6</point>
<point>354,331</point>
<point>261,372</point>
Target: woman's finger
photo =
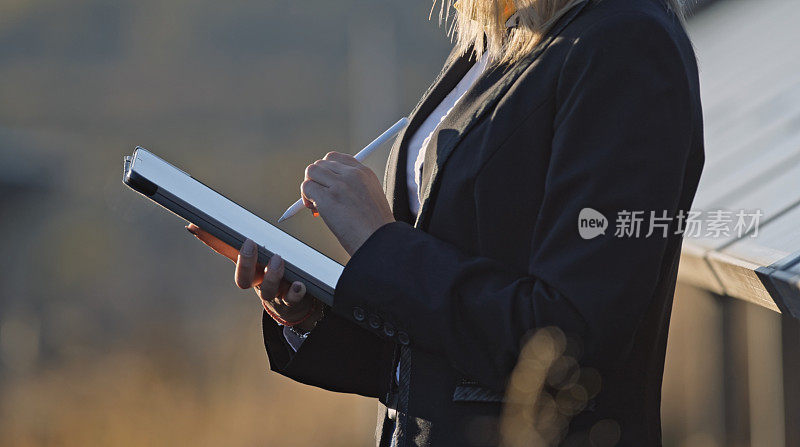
<point>321,174</point>
<point>246,265</point>
<point>306,201</point>
<point>295,294</point>
<point>333,166</point>
<point>213,242</point>
<point>271,283</point>
<point>311,191</point>
<point>345,159</point>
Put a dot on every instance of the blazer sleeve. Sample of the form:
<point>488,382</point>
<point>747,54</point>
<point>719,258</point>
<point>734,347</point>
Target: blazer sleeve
<point>336,356</point>
<point>622,136</point>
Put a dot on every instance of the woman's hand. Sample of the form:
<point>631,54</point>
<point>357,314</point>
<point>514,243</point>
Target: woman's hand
<point>288,301</point>
<point>348,196</point>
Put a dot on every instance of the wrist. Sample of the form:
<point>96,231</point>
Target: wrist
<point>311,322</point>
<point>300,334</point>
<point>305,319</point>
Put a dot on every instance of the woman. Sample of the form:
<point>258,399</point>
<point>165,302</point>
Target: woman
<point>548,113</point>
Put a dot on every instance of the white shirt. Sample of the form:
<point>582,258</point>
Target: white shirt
<point>419,142</point>
<point>417,145</point>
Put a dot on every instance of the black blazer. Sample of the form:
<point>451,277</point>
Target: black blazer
<point>604,114</point>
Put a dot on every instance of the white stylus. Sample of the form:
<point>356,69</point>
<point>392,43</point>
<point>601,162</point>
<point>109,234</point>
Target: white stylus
<point>364,153</point>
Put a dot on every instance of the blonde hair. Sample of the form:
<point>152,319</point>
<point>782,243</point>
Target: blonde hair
<point>480,25</point>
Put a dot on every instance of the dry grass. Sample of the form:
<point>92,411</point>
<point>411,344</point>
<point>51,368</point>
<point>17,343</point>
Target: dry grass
<point>154,397</point>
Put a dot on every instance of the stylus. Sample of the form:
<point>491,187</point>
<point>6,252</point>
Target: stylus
<point>364,153</point>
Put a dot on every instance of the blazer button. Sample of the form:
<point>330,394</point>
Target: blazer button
<point>358,314</point>
<point>374,321</point>
<point>388,329</point>
<point>402,337</point>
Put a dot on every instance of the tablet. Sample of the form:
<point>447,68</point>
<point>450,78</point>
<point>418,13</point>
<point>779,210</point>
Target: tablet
<point>195,202</point>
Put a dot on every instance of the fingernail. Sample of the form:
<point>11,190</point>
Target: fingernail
<point>274,261</point>
<point>191,230</point>
<point>248,248</point>
<point>297,287</point>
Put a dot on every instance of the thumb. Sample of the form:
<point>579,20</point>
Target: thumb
<point>213,242</point>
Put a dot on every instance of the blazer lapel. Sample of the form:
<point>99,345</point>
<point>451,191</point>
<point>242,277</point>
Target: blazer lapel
<point>482,97</point>
<point>394,181</point>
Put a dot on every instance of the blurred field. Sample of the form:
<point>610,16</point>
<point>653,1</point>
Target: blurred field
<point>153,395</point>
